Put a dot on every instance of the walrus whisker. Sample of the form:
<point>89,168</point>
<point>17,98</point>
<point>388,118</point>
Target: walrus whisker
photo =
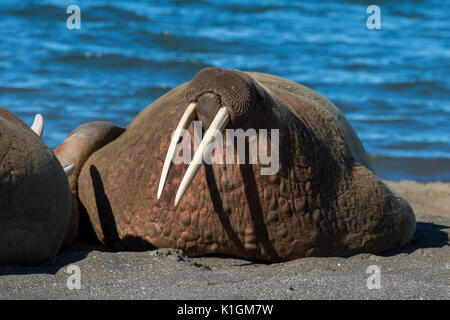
<point>186,119</point>
<point>219,123</point>
<point>69,169</point>
<point>38,125</point>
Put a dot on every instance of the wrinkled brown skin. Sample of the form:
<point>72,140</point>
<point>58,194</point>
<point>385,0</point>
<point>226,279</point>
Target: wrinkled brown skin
<point>76,149</point>
<point>324,201</point>
<point>35,199</point>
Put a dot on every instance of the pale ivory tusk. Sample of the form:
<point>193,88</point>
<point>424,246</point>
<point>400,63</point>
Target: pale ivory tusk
<point>69,169</point>
<point>220,121</point>
<point>38,125</point>
<point>184,123</point>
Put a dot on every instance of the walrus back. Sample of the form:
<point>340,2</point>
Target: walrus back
<point>283,86</point>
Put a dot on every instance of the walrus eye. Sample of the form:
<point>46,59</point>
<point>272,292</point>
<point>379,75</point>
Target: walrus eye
<point>38,125</point>
<point>69,169</point>
<point>219,123</point>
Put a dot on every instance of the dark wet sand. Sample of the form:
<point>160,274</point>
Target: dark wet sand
<point>420,270</point>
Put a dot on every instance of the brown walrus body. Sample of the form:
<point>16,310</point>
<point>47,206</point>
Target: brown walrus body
<point>76,149</point>
<point>34,195</point>
<point>323,201</point>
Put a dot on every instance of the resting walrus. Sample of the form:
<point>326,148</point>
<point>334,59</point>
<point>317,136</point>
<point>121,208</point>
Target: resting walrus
<point>34,194</point>
<point>323,200</point>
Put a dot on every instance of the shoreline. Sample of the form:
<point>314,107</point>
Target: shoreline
<point>421,170</point>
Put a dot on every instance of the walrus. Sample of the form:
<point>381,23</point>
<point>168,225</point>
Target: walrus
<point>35,200</point>
<point>75,150</point>
<point>323,200</point>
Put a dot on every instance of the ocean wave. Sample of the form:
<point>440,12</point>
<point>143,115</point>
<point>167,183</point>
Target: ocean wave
<point>32,9</point>
<point>431,85</point>
<point>116,13</point>
<point>119,61</point>
<point>10,90</point>
<point>411,168</point>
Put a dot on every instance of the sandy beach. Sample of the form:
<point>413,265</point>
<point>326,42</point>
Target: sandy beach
<point>420,270</point>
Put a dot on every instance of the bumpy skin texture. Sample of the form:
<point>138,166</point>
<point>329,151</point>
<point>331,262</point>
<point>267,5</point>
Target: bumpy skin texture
<point>324,200</point>
<point>76,149</point>
<point>35,199</point>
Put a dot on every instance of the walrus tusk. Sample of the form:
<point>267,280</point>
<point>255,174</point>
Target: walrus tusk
<point>69,169</point>
<point>220,121</point>
<point>38,125</point>
<point>184,123</point>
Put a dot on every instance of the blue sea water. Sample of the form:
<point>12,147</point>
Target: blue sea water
<point>392,84</point>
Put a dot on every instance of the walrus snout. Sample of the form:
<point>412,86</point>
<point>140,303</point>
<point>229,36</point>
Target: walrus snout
<point>213,88</point>
<point>208,105</point>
